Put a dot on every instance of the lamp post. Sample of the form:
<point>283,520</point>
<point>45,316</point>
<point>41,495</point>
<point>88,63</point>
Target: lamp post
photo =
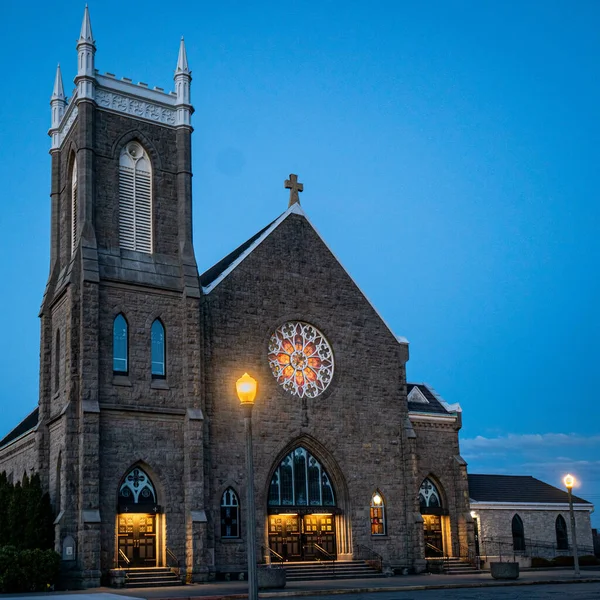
<point>569,481</point>
<point>246,391</point>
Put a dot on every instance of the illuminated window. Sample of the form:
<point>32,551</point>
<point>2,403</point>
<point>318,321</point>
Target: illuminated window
<point>300,480</point>
<point>120,343</point>
<point>135,199</point>
<point>301,359</point>
<point>378,525</point>
<point>230,515</point>
<point>157,336</point>
<point>429,496</point>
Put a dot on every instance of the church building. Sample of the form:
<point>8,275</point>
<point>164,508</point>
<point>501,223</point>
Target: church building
<point>139,435</point>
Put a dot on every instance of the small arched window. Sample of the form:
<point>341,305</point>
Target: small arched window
<point>518,534</point>
<point>57,361</point>
<point>136,489</point>
<point>230,514</point>
<point>120,345</point>
<point>429,495</point>
<point>135,199</point>
<point>157,339</point>
<point>562,537</point>
<point>378,524</point>
<point>74,211</point>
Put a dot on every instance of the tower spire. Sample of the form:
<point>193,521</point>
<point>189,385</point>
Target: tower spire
<point>182,63</point>
<point>58,93</point>
<point>86,51</point>
<point>86,28</point>
<point>183,79</point>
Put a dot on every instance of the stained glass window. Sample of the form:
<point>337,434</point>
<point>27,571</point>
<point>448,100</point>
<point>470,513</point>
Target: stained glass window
<point>230,507</point>
<point>300,480</point>
<point>429,496</point>
<point>137,488</point>
<point>157,338</point>
<point>120,344</point>
<point>378,525</point>
<point>301,359</point>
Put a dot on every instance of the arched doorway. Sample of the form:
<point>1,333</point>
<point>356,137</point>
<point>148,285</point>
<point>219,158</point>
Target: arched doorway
<point>138,520</point>
<point>435,519</point>
<point>302,509</point>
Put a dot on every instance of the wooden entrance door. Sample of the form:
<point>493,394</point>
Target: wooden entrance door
<point>284,537</point>
<point>137,539</point>
<point>434,541</point>
<point>319,532</point>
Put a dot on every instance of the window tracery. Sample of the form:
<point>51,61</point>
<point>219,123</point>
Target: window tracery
<point>230,507</point>
<point>300,480</point>
<point>137,488</point>
<point>301,359</point>
<point>429,496</point>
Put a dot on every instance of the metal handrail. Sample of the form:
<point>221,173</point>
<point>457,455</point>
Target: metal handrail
<point>373,558</point>
<point>504,546</point>
<point>441,552</point>
<point>170,555</point>
<point>268,551</point>
<point>330,557</point>
<point>124,556</point>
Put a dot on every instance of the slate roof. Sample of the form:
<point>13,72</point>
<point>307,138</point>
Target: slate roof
<point>213,273</point>
<point>434,406</point>
<point>516,488</point>
<point>29,422</point>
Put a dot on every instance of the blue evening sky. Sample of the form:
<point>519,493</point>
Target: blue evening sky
<point>450,156</point>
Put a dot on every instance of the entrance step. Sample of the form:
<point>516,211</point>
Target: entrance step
<point>317,570</point>
<point>451,566</point>
<point>151,577</point>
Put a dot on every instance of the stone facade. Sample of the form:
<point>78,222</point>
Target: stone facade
<point>185,430</point>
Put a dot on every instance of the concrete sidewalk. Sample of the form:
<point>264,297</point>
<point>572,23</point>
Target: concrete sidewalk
<point>237,590</point>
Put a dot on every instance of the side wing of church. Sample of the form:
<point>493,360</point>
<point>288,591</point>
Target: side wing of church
<point>138,435</point>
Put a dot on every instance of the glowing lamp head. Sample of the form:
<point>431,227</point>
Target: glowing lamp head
<point>473,514</point>
<point>376,499</point>
<point>569,481</point>
<point>246,389</point>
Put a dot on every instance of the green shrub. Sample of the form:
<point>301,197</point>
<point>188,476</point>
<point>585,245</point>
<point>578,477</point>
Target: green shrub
<point>28,570</point>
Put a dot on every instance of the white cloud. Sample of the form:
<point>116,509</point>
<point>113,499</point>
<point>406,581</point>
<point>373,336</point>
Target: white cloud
<point>514,441</point>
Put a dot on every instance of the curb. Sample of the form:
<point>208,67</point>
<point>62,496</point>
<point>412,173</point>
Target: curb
<point>406,588</point>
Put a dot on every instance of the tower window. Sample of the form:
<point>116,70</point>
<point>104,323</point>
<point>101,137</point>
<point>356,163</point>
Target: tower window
<point>74,207</point>
<point>230,515</point>
<point>378,525</point>
<point>157,336</point>
<point>57,362</point>
<point>120,345</point>
<point>135,199</point>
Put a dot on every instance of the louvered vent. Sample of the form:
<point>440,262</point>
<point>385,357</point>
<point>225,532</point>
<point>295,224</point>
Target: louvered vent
<point>135,199</point>
<point>74,208</point>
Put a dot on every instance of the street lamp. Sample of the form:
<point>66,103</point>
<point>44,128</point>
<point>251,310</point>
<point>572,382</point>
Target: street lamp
<point>569,481</point>
<point>246,390</point>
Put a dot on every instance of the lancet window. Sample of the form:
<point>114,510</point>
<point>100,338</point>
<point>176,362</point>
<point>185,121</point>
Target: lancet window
<point>562,538</point>
<point>378,523</point>
<point>135,199</point>
<point>157,342</point>
<point>137,488</point>
<point>518,534</point>
<point>74,212</point>
<point>300,480</point>
<point>230,514</point>
<point>429,495</point>
<point>120,345</point>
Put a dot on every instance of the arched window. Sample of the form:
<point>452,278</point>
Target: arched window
<point>157,339</point>
<point>230,515</point>
<point>57,361</point>
<point>120,345</point>
<point>562,537</point>
<point>137,493</point>
<point>429,496</point>
<point>74,212</point>
<point>518,534</point>
<point>300,480</point>
<point>378,524</point>
<point>135,199</point>
<point>57,496</point>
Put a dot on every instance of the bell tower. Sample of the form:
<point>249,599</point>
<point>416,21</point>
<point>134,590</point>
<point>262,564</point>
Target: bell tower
<point>120,318</point>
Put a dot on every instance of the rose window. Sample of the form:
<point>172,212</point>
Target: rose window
<point>301,359</point>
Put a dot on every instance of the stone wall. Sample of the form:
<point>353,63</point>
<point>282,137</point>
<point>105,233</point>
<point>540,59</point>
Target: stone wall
<point>495,530</point>
<point>19,457</point>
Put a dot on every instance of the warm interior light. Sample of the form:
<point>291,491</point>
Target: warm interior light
<point>320,514</point>
<point>473,514</point>
<point>246,389</point>
<point>569,481</point>
<point>287,514</point>
<point>377,499</point>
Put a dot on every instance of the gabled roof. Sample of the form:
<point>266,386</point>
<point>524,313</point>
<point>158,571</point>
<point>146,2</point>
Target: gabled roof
<point>27,424</point>
<point>212,277</point>
<point>516,488</point>
<point>435,403</point>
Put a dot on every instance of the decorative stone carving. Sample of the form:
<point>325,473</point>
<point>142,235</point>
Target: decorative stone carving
<point>138,108</point>
<point>66,125</point>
